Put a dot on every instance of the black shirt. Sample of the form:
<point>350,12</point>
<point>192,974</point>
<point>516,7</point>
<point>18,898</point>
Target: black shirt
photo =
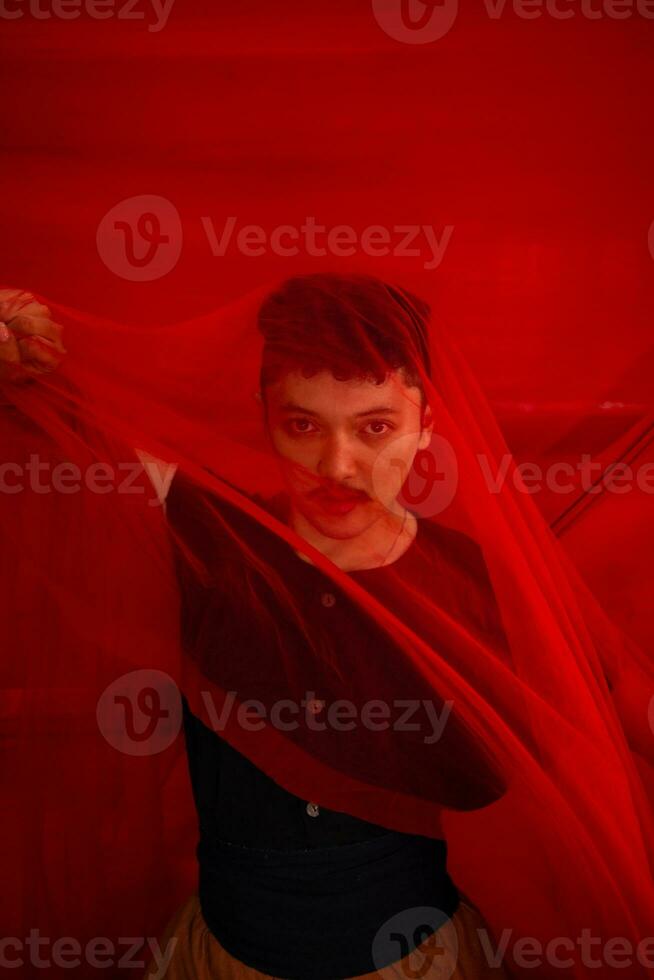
<point>284,882</point>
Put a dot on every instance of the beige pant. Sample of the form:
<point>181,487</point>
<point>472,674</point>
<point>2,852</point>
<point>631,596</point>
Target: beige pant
<point>454,951</point>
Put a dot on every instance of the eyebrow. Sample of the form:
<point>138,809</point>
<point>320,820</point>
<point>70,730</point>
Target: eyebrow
<point>381,409</point>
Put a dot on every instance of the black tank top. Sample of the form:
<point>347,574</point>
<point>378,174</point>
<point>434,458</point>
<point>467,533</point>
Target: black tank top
<point>299,891</point>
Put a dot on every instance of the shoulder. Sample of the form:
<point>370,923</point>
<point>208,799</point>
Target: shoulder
<point>195,512</point>
<point>454,548</point>
<point>458,564</point>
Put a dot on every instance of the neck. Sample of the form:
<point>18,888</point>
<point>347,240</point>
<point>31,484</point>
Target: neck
<point>382,543</point>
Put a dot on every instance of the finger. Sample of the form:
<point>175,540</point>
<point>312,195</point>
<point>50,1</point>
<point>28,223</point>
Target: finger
<point>34,309</point>
<point>15,295</point>
<point>13,300</point>
<point>11,369</point>
<point>9,351</point>
<point>35,353</point>
<point>33,368</point>
<point>24,326</point>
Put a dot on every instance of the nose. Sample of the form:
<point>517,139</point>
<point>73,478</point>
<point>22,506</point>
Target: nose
<point>337,461</point>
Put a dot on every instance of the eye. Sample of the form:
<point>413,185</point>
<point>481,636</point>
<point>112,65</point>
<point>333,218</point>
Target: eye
<point>375,424</point>
<point>299,426</point>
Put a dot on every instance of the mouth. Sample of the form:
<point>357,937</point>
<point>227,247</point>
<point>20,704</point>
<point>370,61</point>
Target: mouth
<point>338,503</point>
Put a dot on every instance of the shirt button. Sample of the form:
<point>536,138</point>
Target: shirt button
<point>313,809</point>
<point>328,599</point>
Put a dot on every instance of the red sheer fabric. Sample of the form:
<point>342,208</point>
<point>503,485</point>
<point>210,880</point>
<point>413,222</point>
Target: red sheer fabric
<point>549,828</point>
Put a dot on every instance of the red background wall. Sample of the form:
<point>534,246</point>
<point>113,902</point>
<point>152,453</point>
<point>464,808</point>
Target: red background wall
<point>532,138</point>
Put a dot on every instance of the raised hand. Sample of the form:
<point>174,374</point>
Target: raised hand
<point>30,341</point>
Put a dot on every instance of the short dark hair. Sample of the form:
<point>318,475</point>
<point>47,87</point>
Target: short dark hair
<point>355,326</point>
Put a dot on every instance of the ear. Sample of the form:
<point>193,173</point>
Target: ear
<point>427,427</point>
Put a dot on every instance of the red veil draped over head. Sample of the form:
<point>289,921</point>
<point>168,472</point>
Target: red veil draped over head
<point>528,771</point>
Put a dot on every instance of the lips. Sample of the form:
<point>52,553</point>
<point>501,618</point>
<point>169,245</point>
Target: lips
<point>340,503</point>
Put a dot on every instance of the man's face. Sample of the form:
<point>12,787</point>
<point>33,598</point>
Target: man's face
<point>344,447</point>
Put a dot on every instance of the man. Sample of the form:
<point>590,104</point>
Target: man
<point>331,409</point>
